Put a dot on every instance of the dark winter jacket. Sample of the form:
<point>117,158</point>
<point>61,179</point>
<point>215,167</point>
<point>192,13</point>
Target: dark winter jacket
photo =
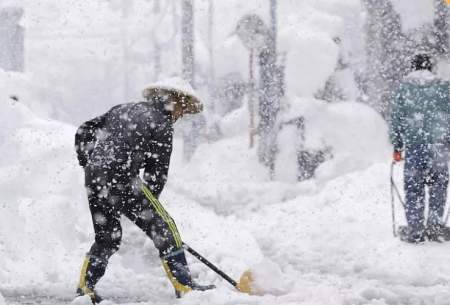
<point>420,111</point>
<point>127,138</point>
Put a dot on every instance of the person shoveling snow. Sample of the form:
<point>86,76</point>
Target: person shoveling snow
<point>112,149</point>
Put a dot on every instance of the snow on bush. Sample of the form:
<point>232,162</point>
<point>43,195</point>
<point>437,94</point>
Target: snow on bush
<point>356,135</point>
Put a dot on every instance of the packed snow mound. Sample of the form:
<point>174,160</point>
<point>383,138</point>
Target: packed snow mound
<point>12,84</point>
<point>13,114</point>
<point>307,67</point>
<point>355,134</point>
<point>268,278</point>
<point>226,174</point>
<point>84,300</point>
<point>39,220</point>
<point>28,91</point>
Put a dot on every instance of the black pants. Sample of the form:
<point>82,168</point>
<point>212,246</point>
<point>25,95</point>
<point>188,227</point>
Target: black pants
<point>111,195</point>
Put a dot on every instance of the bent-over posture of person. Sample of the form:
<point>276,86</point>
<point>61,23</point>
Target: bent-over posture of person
<point>112,149</point>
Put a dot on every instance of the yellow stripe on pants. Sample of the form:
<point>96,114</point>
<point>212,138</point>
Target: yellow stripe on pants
<point>164,215</point>
<point>83,272</point>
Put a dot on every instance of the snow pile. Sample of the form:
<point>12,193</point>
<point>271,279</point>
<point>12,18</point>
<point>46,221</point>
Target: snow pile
<point>84,300</point>
<point>270,279</point>
<point>40,205</point>
<point>355,134</point>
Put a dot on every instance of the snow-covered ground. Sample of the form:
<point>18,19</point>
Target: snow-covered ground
<point>325,241</point>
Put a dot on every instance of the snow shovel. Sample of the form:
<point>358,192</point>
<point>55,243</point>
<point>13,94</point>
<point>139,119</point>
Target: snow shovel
<point>245,282</point>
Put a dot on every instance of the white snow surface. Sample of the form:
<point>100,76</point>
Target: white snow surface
<point>324,241</point>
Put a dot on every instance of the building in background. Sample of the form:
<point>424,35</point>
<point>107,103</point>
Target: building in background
<point>12,35</point>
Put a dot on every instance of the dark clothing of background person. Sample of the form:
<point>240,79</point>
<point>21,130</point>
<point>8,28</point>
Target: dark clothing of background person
<point>420,125</point>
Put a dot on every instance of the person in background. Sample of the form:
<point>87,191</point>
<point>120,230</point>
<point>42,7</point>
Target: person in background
<point>420,133</point>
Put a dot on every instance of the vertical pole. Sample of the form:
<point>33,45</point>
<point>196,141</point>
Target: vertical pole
<point>275,82</point>
<point>441,25</point>
<point>156,46</point>
<point>211,82</point>
<point>187,25</point>
<point>273,20</point>
<point>190,132</point>
<point>251,98</point>
<point>124,39</point>
<point>211,38</point>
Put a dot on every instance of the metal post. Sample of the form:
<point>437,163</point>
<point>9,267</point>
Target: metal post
<point>251,98</point>
<point>187,25</point>
<point>441,26</point>
<point>273,19</point>
<point>191,130</point>
<point>211,38</point>
<point>156,45</point>
<point>211,78</point>
<point>124,39</point>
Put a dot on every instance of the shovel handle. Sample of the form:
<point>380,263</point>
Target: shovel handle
<point>210,265</point>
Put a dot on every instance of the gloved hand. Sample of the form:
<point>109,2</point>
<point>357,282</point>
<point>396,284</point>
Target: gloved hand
<point>397,156</point>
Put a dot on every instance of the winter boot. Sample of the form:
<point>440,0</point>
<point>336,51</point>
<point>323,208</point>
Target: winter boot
<point>91,272</point>
<point>411,235</point>
<point>435,232</point>
<point>95,298</point>
<point>178,272</point>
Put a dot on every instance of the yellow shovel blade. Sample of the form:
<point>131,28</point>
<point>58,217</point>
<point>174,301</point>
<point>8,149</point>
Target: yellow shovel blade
<point>245,283</point>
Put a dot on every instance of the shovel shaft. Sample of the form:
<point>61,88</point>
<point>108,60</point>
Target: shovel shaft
<point>210,265</point>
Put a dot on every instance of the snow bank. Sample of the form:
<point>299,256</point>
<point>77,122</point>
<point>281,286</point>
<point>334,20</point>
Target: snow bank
<point>356,134</point>
<point>39,224</point>
<point>2,300</point>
